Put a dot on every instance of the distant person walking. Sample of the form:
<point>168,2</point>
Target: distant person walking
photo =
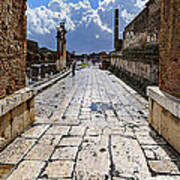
<point>73,68</point>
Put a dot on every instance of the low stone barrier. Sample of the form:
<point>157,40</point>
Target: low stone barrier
<point>165,115</point>
<point>16,114</point>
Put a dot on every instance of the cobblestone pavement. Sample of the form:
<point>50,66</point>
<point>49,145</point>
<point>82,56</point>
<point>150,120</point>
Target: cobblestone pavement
<point>98,131</point>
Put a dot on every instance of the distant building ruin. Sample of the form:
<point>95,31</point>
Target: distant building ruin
<point>138,58</point>
<point>61,47</point>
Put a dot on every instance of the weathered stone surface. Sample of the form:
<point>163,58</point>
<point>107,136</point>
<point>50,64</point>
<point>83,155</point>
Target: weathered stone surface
<point>93,151</point>
<point>59,169</point>
<point>70,141</point>
<point>27,170</point>
<point>65,153</point>
<point>40,152</point>
<point>5,130</point>
<point>16,150</point>
<point>77,131</point>
<point>50,139</point>
<point>59,130</point>
<point>160,152</point>
<point>165,166</point>
<point>128,159</point>
<point>17,116</point>
<point>35,131</point>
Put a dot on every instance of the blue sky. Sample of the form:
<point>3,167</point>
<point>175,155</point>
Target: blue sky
<point>89,22</point>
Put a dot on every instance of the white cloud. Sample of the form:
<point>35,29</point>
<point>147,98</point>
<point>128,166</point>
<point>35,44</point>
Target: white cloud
<point>97,36</point>
<point>126,15</point>
<point>83,23</point>
<point>140,3</point>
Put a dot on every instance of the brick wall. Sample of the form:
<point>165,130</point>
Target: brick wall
<point>12,46</point>
<point>170,47</point>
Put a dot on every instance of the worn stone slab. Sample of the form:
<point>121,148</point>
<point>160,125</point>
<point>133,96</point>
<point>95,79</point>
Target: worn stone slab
<point>27,170</point>
<point>70,141</point>
<point>40,152</point>
<point>66,153</point>
<point>128,158</point>
<point>150,140</point>
<point>77,131</point>
<point>160,152</point>
<point>50,139</point>
<point>59,169</point>
<point>16,150</point>
<point>58,130</point>
<point>35,131</point>
<point>93,159</point>
<point>165,166</point>
<point>93,131</point>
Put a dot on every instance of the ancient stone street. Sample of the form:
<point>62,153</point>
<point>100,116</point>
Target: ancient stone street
<point>90,127</point>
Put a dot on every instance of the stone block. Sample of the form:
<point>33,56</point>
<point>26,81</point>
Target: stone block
<point>156,117</point>
<point>18,119</point>
<point>164,116</point>
<point>32,115</point>
<point>5,130</point>
<point>170,128</point>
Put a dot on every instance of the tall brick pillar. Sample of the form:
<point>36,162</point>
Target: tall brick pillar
<point>169,79</point>
<point>164,101</point>
<point>58,44</point>
<point>61,47</point>
<point>12,46</point>
<point>116,29</point>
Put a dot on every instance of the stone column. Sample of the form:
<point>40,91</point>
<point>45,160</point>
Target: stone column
<point>169,77</point>
<point>164,101</point>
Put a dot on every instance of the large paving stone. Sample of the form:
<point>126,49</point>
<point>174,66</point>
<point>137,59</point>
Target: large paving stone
<point>128,158</point>
<point>160,152</point>
<point>93,159</point>
<point>65,153</point>
<point>50,139</point>
<point>40,152</point>
<point>27,170</point>
<point>77,131</point>
<point>165,166</point>
<point>70,141</point>
<point>16,150</point>
<point>35,131</point>
<point>58,130</point>
<point>59,169</point>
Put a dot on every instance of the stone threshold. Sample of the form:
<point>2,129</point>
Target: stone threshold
<point>10,102</point>
<point>167,101</point>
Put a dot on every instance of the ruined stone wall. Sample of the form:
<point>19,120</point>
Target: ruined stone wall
<point>144,29</point>
<point>12,46</point>
<point>170,47</point>
<point>138,69</point>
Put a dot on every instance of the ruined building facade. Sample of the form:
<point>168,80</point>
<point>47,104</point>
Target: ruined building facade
<point>61,47</point>
<point>12,46</point>
<point>144,29</point>
<point>139,57</point>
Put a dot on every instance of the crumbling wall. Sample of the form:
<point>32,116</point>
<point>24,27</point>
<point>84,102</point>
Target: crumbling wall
<point>12,46</point>
<point>138,72</point>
